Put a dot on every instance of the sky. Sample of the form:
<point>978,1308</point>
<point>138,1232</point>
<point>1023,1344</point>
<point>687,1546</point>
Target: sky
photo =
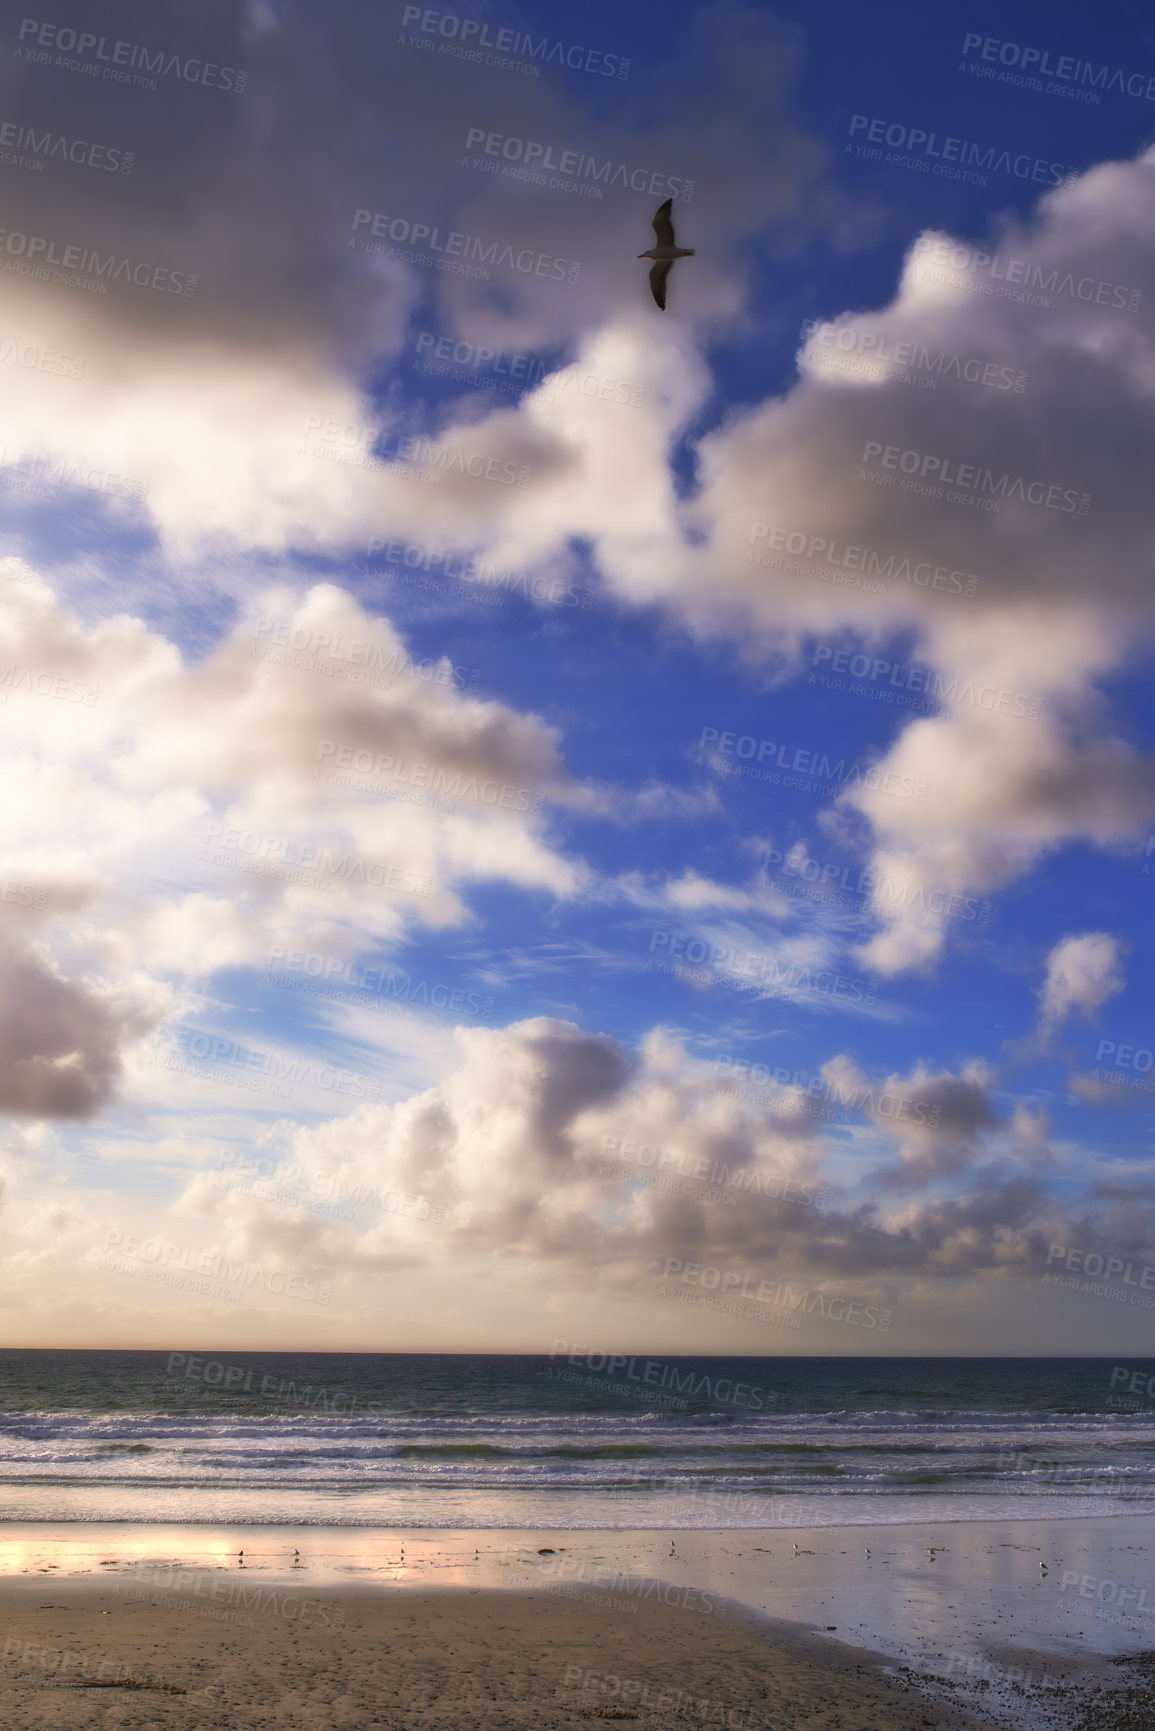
<point>530,818</point>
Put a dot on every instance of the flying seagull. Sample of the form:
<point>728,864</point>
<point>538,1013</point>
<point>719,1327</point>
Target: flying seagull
<point>666,251</point>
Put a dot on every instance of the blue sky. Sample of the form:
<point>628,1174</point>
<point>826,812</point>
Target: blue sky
<point>710,873</point>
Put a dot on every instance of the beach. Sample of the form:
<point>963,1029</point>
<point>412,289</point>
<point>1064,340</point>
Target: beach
<point>863,1628</point>
<point>294,1538</point>
<point>434,1657</point>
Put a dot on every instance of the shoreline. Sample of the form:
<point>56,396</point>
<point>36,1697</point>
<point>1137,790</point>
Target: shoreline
<point>1011,1614</point>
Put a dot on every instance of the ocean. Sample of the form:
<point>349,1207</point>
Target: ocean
<point>631,1442</point>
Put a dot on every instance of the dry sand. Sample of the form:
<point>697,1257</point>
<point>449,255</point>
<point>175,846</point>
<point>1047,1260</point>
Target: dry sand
<point>469,1660</point>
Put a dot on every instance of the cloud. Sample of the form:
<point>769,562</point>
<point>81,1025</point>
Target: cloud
<point>267,374</point>
<point>1082,973</point>
<point>60,1039</point>
<point>938,1121</point>
<point>330,796</point>
<point>691,893</point>
<point>1018,613</point>
<point>276,313</point>
<point>166,818</point>
<point>562,1151</point>
<point>1097,1092</point>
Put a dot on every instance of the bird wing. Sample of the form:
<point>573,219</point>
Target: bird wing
<point>663,227</point>
<point>658,276</point>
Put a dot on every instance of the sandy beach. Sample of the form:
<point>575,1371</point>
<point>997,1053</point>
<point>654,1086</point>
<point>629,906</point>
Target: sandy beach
<point>429,1657</point>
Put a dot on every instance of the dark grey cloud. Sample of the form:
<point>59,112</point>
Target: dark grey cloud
<point>60,1039</point>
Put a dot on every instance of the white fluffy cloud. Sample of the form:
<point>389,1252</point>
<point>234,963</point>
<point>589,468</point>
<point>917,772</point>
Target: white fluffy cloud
<point>164,818</point>
<point>558,1149</point>
<point>1082,973</point>
<point>1020,756</point>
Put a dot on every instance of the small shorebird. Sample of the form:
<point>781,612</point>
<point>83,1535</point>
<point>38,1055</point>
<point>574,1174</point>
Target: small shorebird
<point>666,251</point>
